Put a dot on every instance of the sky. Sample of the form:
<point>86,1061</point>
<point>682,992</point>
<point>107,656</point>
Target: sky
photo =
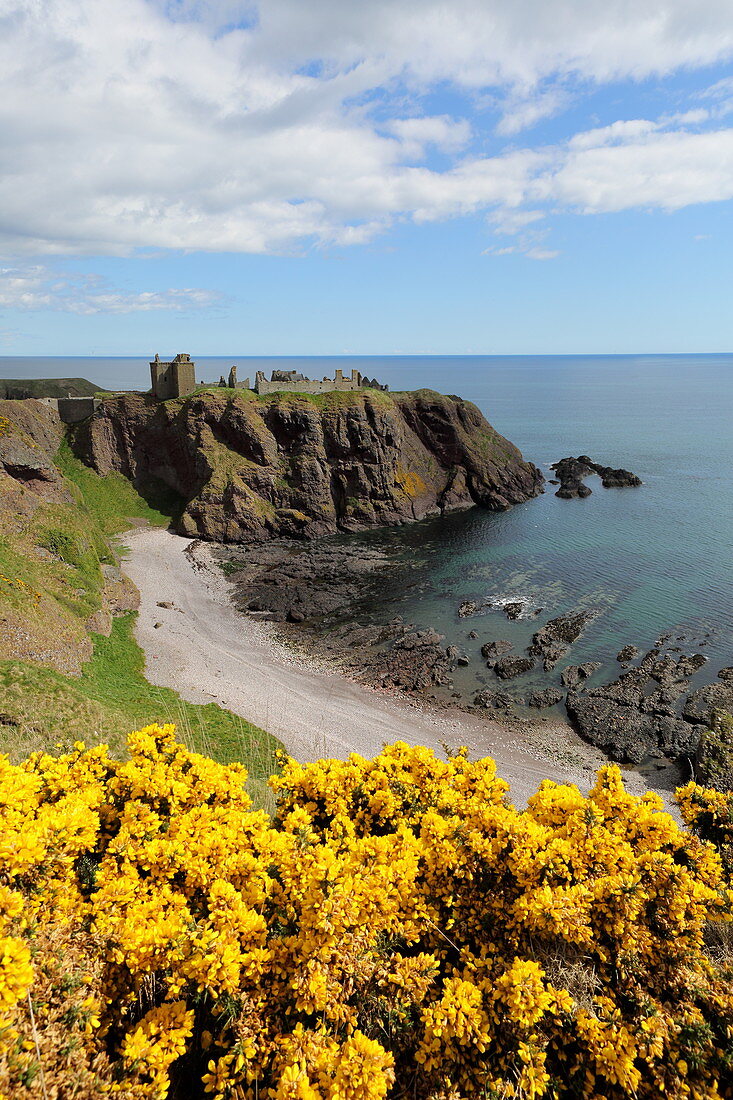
<point>315,177</point>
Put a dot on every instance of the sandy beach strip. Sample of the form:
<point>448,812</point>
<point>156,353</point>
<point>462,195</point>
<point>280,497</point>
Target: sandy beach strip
<point>209,652</point>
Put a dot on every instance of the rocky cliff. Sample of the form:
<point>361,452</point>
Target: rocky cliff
<point>248,469</point>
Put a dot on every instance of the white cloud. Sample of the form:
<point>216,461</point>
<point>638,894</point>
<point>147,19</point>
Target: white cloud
<point>513,221</point>
<point>520,114</point>
<point>722,89</point>
<point>224,126</point>
<point>449,135</point>
<point>541,253</point>
<point>38,288</point>
<point>618,133</point>
<point>651,170</point>
<point>533,252</point>
<point>477,43</point>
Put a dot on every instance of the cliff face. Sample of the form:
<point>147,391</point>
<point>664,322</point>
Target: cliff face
<point>249,469</point>
<point>30,433</point>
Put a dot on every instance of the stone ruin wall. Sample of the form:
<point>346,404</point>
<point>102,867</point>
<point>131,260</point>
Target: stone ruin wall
<point>304,385</point>
<point>71,409</point>
<point>328,385</point>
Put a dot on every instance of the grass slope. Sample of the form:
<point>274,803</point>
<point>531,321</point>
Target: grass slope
<point>41,707</point>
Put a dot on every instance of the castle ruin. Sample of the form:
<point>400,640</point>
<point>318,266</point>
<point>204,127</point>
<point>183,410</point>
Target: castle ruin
<point>174,379</point>
<point>178,378</point>
<point>291,381</point>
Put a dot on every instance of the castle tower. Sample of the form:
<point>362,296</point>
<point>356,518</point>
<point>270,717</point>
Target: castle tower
<point>173,379</point>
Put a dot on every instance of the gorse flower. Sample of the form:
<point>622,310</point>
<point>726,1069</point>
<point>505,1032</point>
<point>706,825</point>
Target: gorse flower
<point>397,929</point>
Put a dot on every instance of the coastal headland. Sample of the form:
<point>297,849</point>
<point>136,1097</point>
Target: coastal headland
<point>245,468</point>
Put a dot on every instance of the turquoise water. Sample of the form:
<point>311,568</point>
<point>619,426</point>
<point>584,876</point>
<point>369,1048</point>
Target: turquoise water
<point>651,559</point>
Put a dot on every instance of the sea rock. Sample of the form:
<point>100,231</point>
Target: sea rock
<point>506,668</point>
<point>463,659</point>
<point>701,703</point>
<point>649,659</point>
<point>419,639</point>
<point>618,729</point>
<point>491,651</point>
<point>572,675</point>
<point>628,689</point>
<point>513,610</point>
<point>726,674</point>
<point>688,666</point>
<point>468,607</point>
<point>677,738</point>
<point>494,700</point>
<point>637,715</point>
<point>416,662</point>
<point>664,670</point>
<point>247,471</point>
<point>546,698</point>
<point>555,638</point>
<point>625,733</point>
<point>665,699</point>
<point>627,653</point>
<point>573,471</point>
<point>309,579</point>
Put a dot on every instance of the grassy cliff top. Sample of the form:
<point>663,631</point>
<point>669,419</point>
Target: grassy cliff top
<point>334,397</point>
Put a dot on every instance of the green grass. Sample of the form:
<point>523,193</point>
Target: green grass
<point>334,398</point>
<point>40,708</point>
<point>111,501</point>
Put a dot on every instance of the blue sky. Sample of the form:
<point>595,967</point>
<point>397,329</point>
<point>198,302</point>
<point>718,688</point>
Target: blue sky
<point>391,176</point>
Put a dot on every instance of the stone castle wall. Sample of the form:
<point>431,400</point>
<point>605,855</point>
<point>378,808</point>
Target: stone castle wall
<point>290,382</point>
<point>328,385</point>
<point>74,409</point>
<point>71,409</point>
<point>173,379</point>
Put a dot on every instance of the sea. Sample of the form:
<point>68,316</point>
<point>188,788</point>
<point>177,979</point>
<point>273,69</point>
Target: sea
<point>651,561</point>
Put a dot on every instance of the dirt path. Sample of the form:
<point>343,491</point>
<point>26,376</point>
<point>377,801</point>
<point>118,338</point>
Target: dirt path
<point>209,652</point>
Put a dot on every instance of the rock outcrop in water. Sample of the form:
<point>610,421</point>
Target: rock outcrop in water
<point>248,469</point>
<point>573,471</point>
<point>647,711</point>
<point>553,640</point>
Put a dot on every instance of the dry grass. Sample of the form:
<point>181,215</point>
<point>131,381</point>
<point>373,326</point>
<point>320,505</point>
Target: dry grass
<point>569,967</point>
<point>52,1056</point>
<point>719,945</point>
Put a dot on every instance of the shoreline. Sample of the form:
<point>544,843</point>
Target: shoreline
<point>206,650</point>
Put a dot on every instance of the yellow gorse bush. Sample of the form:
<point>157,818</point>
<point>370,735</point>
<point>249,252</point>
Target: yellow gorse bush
<point>396,929</point>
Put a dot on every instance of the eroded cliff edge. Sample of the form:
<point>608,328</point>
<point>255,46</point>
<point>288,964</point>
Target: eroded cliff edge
<point>247,469</point>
